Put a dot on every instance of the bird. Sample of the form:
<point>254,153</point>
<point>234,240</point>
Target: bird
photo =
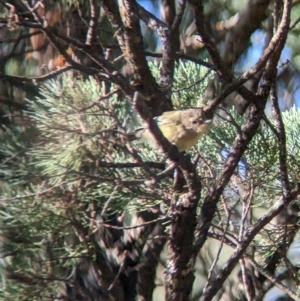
<point>183,128</point>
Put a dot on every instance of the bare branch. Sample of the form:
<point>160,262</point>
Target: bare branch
<point>238,148</point>
<point>131,42</point>
<point>281,139</point>
<point>168,49</point>
<point>178,17</point>
<point>273,279</point>
<point>91,34</point>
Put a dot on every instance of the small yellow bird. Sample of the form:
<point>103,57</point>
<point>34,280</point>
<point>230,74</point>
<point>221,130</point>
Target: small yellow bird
<point>182,128</point>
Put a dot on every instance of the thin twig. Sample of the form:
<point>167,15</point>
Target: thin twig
<point>273,279</point>
<point>121,270</point>
<point>246,280</point>
<point>178,17</point>
<point>160,219</point>
<point>193,84</point>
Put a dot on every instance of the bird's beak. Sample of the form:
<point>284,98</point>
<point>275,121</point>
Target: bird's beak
<point>208,121</point>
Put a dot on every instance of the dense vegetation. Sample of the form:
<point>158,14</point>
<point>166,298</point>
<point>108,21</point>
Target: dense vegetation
<point>86,214</point>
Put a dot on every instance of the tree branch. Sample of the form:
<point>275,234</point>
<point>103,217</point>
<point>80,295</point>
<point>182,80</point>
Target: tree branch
<point>237,150</point>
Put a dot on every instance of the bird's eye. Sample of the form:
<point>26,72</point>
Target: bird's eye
<point>195,122</point>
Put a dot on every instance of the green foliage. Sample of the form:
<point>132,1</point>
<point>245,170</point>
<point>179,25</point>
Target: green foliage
<point>27,68</point>
<point>190,81</point>
<point>53,175</point>
<point>291,120</point>
<point>258,168</point>
<point>258,171</point>
<point>293,37</point>
<point>56,174</point>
